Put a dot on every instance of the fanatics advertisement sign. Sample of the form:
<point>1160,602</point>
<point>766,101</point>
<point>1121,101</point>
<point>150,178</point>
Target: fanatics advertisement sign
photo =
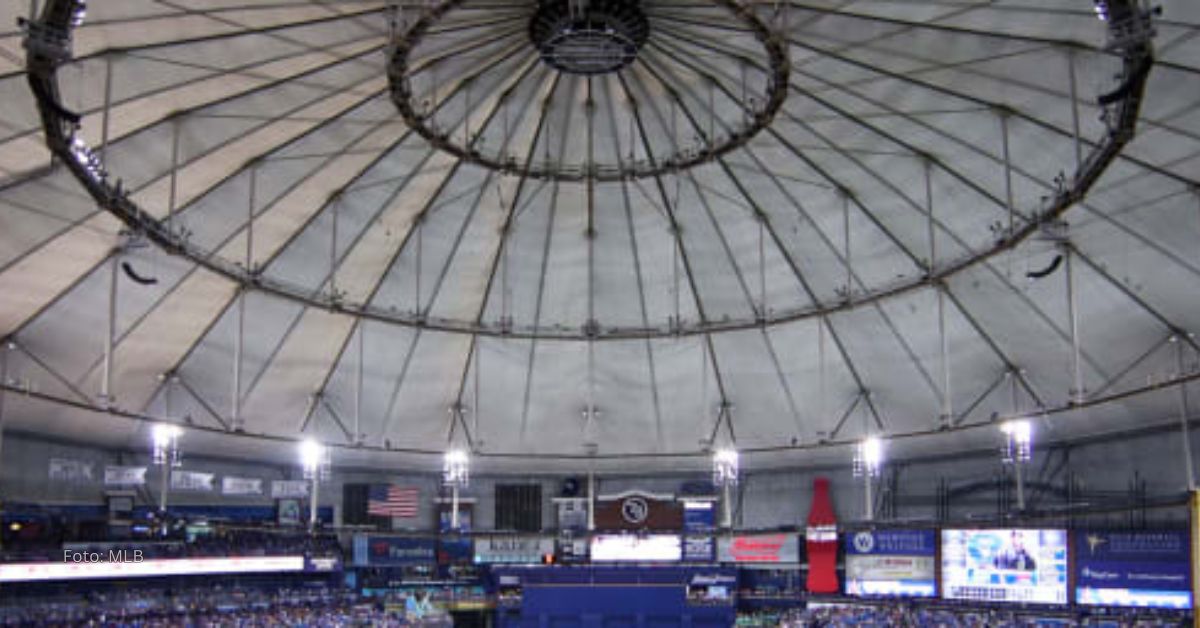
<point>393,550</point>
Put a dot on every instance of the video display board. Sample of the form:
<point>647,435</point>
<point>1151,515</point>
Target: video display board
<point>527,550</point>
<point>891,563</point>
<point>636,548</point>
<point>1005,565</point>
<point>1147,569</point>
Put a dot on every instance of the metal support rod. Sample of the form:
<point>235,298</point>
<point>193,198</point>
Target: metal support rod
<point>762,268</point>
<point>172,194</point>
<point>929,223</point>
<point>868,497</point>
<point>358,382</point>
<point>110,330</point>
<point>250,210</point>
<point>947,397</point>
<point>727,506</point>
<point>164,487</point>
<point>454,507</point>
<point>333,247</point>
<point>1073,312</point>
<point>1075,111</point>
<point>4,351</point>
<point>313,500</point>
<point>846,233</point>
<point>1184,419</point>
<point>420,254</point>
<point>239,341</point>
<point>591,507</point>
<point>821,374</point>
<point>1008,179</point>
<point>1019,475</point>
<point>104,115</point>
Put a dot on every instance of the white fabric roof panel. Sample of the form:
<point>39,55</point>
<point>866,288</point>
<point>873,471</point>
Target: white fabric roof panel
<point>654,294</point>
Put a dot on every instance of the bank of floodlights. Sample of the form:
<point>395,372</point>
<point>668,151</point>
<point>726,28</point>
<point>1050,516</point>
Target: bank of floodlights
<point>868,458</point>
<point>1018,441</point>
<point>456,468</point>
<point>165,439</point>
<point>726,464</point>
<point>314,459</point>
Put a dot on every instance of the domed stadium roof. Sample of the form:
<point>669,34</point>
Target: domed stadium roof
<point>603,232</point>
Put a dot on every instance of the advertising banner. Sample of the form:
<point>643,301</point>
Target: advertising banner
<point>699,516</point>
<point>572,551</point>
<point>572,513</point>
<point>192,481</point>
<point>638,510</point>
<point>71,471</point>
<point>241,486</point>
<point>891,563</point>
<point>513,549</point>
<point>289,488</point>
<point>759,548</point>
<point>698,549</point>
<point>127,565</point>
<point>124,476</point>
<point>1148,568</point>
<point>393,550</point>
<point>1005,565</point>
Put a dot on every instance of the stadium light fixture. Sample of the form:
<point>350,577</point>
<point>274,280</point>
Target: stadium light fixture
<point>725,467</point>
<point>165,438</point>
<point>314,459</point>
<point>456,468</point>
<point>868,459</point>
<point>1018,441</point>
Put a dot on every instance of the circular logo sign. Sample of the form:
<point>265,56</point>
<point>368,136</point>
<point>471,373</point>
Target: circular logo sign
<point>864,542</point>
<point>635,510</point>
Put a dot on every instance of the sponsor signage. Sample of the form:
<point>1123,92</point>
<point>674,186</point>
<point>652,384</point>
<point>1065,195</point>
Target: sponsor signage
<point>637,510</point>
<point>572,551</point>
<point>329,563</point>
<point>126,565</point>
<point>192,481</point>
<point>699,515</point>
<point>1148,568</point>
<point>890,563</point>
<point>69,470</point>
<point>572,513</point>
<point>698,549</point>
<point>241,486</point>
<point>820,536</point>
<point>124,476</point>
<point>759,548</point>
<point>636,548</point>
<point>289,489</point>
<point>892,542</point>
<point>393,550</point>
<point>513,549</point>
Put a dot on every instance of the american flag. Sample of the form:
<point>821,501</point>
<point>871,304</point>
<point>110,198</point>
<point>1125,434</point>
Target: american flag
<point>389,500</point>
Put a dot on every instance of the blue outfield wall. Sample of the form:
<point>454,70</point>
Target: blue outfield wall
<point>611,597</point>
